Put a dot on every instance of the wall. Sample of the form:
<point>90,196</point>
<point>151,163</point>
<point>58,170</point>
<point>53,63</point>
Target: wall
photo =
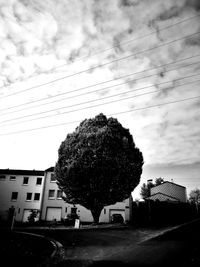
<point>8,186</point>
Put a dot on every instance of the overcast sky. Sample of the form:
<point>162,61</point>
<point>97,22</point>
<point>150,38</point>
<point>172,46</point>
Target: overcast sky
<point>61,62</point>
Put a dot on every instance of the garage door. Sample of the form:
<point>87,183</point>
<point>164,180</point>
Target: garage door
<point>53,213</point>
<point>116,211</point>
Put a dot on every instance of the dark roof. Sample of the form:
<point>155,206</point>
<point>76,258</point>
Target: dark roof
<point>159,193</point>
<point>21,172</point>
<point>51,169</point>
<point>170,183</point>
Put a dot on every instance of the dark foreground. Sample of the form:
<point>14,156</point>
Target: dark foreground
<point>111,247</point>
<point>20,249</point>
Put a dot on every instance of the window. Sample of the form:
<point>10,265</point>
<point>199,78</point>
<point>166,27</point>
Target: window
<point>65,209</point>
<point>25,181</point>
<point>104,211</point>
<point>53,179</point>
<point>39,181</point>
<point>51,194</point>
<point>59,194</point>
<point>37,196</point>
<point>28,196</point>
<point>12,178</point>
<point>14,196</point>
<point>2,177</point>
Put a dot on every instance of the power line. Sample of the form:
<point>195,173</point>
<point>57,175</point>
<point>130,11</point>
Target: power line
<point>101,89</point>
<point>90,101</point>
<point>88,107</point>
<point>113,114</point>
<point>157,105</point>
<point>100,65</point>
<point>115,46</point>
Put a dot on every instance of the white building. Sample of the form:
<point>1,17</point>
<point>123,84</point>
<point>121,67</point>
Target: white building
<point>21,189</point>
<point>54,207</point>
<point>168,191</point>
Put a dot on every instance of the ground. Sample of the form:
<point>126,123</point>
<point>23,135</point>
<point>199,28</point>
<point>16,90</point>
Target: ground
<point>125,246</point>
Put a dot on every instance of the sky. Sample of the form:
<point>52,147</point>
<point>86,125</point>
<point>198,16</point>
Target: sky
<point>135,60</point>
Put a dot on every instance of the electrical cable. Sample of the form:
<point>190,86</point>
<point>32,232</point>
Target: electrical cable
<point>101,89</point>
<point>113,114</point>
<point>113,47</point>
<point>99,66</point>
<point>88,107</point>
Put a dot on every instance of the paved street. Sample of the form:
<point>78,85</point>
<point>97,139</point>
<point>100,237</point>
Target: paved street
<point>126,246</point>
<point>96,244</point>
<point>180,247</point>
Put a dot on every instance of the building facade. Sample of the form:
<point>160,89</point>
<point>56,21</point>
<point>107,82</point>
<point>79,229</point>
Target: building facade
<point>54,207</point>
<point>22,191</point>
<point>168,191</point>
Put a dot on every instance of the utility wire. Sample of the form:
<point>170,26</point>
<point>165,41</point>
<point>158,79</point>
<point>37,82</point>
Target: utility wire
<point>157,105</point>
<point>101,65</point>
<point>115,46</point>
<point>101,104</point>
<point>101,89</point>
<point>113,114</point>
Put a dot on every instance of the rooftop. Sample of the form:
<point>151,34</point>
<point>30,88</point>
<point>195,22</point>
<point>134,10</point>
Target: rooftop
<point>169,183</point>
<point>22,172</point>
<point>51,169</point>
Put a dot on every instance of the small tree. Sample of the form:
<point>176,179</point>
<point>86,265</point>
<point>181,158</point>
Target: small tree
<point>32,216</point>
<point>194,196</point>
<point>159,181</point>
<point>98,164</point>
<point>146,188</point>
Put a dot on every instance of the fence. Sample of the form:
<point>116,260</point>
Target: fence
<point>157,213</point>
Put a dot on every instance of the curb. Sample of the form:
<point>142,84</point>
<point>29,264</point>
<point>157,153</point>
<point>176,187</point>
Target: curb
<point>73,228</point>
<point>57,247</point>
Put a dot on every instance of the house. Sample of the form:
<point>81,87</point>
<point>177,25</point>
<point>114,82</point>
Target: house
<point>20,190</point>
<point>168,191</point>
<point>54,207</point>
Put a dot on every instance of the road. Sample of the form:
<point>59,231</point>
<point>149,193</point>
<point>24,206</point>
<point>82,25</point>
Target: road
<point>179,247</point>
<point>127,247</point>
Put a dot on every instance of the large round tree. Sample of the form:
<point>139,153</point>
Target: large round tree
<point>98,164</point>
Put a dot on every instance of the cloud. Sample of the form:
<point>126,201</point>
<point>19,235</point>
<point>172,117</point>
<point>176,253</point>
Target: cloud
<point>65,30</point>
<point>36,36</point>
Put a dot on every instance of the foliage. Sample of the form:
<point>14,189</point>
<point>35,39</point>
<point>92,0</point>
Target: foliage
<point>98,164</point>
<point>194,196</point>
<point>159,181</point>
<point>33,215</point>
<point>146,188</point>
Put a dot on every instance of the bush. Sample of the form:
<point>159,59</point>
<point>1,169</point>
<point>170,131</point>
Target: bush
<point>32,217</point>
<point>70,219</point>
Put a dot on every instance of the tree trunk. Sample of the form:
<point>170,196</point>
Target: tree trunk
<point>96,211</point>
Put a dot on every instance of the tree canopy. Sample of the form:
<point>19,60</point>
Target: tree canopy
<point>194,196</point>
<point>98,164</point>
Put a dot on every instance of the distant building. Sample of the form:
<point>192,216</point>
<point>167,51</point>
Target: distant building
<point>21,190</point>
<point>168,191</point>
<point>54,207</point>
